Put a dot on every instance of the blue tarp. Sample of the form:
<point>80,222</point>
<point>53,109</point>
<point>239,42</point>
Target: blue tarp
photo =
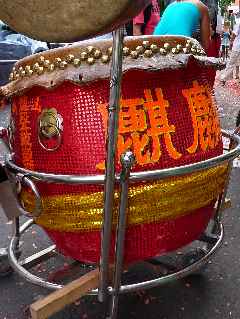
<point>14,46</point>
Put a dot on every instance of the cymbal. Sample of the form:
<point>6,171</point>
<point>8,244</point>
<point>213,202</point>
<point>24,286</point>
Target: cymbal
<point>68,20</point>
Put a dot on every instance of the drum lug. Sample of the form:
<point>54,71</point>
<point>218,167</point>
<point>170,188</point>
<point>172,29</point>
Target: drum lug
<point>50,126</point>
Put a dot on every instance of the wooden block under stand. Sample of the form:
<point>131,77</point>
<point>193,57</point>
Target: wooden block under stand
<point>56,301</point>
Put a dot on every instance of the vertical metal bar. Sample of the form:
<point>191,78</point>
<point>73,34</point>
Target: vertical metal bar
<point>16,231</point>
<point>127,161</point>
<point>222,197</point>
<point>114,106</point>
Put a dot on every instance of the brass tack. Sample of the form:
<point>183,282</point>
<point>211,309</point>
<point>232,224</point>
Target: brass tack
<point>35,66</point>
<point>188,45</point>
<point>97,54</point>
<point>126,51</point>
<point>90,61</point>
<point>162,51</point>
<point>166,46</point>
<point>83,56</point>
<point>174,50</point>
<point>134,54</point>
<point>154,48</point>
<point>51,67</point>
<point>76,62</point>
<point>63,65</point>
<point>193,50</point>
<point>46,63</point>
<point>17,76</point>
<point>146,44</point>
<point>27,68</point>
<point>105,58</point>
<point>11,77</point>
<point>14,69</point>
<point>70,58</point>
<point>40,70</point>
<point>109,50</point>
<point>41,59</point>
<point>140,49</point>
<point>58,61</point>
<point>90,49</point>
<point>23,73</point>
<point>20,69</point>
<point>179,47</point>
<point>148,53</point>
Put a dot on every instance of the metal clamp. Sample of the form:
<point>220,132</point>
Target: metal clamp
<point>22,179</point>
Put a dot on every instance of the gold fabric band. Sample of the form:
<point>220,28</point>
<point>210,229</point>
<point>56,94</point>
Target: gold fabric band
<point>148,203</point>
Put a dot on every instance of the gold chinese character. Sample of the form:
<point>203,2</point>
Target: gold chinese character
<point>204,119</point>
<point>159,126</point>
<point>132,117</point>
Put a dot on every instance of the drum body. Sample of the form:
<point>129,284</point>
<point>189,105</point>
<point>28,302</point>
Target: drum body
<point>168,118</point>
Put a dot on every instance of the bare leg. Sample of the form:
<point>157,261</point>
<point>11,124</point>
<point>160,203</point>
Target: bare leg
<point>227,73</point>
<point>237,72</point>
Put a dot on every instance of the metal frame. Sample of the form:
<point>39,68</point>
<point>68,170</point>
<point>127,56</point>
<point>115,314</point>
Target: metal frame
<point>105,292</point>
<point>133,177</point>
<point>21,266</point>
<point>212,240</point>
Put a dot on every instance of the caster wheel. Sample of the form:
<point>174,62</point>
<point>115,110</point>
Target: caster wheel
<point>5,268</point>
<point>193,256</point>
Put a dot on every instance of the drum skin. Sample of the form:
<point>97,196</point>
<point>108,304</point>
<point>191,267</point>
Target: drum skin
<point>69,20</point>
<point>168,118</point>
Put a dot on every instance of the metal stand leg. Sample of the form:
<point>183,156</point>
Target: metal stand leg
<point>127,161</point>
<point>114,106</point>
<point>5,267</point>
<point>220,203</point>
<point>16,231</point>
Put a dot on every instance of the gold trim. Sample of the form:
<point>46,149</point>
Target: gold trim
<point>92,54</point>
<point>148,203</point>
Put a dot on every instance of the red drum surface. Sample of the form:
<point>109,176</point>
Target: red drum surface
<point>168,118</point>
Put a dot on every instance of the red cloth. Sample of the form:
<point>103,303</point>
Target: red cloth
<point>153,21</point>
<point>214,46</point>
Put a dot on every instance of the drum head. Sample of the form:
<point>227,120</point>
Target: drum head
<point>68,20</point>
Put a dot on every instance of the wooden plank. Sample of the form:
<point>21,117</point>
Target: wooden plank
<point>56,301</point>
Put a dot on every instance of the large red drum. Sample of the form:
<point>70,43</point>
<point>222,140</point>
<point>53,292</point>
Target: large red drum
<point>168,118</point>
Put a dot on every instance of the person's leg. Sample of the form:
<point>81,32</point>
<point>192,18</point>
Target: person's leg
<point>223,51</point>
<point>237,72</point>
<point>227,73</point>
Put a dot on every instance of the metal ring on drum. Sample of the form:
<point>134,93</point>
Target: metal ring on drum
<point>18,180</point>
<point>134,177</point>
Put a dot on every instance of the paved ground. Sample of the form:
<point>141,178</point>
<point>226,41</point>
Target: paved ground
<point>212,295</point>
